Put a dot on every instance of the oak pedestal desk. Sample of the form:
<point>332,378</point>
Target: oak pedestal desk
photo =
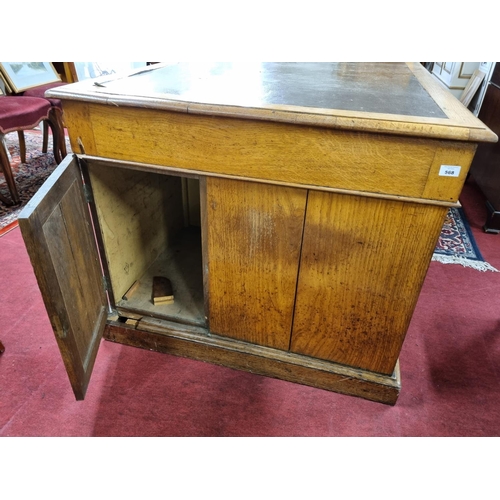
<point>293,206</point>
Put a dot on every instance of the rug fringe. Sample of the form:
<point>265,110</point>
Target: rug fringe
<point>474,264</point>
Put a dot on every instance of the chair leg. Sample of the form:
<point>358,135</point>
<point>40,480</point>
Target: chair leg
<point>9,178</point>
<point>22,145</point>
<point>55,123</point>
<point>45,136</point>
<point>60,125</point>
<point>2,348</point>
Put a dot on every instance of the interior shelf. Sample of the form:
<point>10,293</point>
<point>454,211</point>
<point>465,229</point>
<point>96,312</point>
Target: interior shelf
<point>181,263</point>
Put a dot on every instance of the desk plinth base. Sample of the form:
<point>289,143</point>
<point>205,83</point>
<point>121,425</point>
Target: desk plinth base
<point>196,343</point>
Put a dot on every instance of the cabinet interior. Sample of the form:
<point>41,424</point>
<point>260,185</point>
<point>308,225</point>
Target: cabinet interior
<point>150,226</point>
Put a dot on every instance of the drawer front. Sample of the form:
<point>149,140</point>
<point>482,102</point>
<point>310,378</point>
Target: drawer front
<point>295,154</point>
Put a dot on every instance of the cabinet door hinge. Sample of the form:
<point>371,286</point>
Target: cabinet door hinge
<point>106,284</point>
<point>88,193</point>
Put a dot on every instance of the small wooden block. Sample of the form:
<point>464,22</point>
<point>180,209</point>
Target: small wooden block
<point>162,291</point>
<point>160,302</point>
<point>131,290</point>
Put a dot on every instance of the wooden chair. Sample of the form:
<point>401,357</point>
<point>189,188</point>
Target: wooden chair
<point>19,113</point>
<point>58,115</point>
<point>471,88</point>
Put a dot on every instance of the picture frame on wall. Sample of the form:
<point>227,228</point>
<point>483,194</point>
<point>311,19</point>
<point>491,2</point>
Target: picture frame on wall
<point>22,76</point>
<point>4,87</point>
<point>86,70</point>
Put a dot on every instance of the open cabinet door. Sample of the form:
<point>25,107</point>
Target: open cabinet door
<point>58,232</point>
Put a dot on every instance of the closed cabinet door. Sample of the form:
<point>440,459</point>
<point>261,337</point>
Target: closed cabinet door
<point>253,242</point>
<point>362,266</point>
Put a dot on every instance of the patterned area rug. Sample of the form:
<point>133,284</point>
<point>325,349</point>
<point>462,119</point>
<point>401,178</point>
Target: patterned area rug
<point>456,244</point>
<point>29,176</point>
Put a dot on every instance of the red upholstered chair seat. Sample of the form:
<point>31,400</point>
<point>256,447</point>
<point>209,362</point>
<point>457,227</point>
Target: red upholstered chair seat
<point>22,113</point>
<point>56,103</point>
<point>18,113</point>
<point>40,92</point>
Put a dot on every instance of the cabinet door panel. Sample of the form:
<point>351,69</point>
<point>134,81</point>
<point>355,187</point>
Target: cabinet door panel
<point>59,237</point>
<point>363,263</point>
<point>254,238</point>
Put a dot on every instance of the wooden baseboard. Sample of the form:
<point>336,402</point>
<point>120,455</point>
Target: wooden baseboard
<point>197,343</point>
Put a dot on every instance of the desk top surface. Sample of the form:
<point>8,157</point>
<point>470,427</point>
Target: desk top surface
<point>394,98</point>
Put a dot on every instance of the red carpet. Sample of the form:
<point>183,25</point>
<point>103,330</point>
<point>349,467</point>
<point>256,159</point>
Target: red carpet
<point>450,368</point>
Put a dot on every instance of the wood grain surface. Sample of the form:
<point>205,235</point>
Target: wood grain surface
<point>363,263</point>
<point>254,240</point>
<point>268,151</point>
<point>193,343</point>
<point>59,237</point>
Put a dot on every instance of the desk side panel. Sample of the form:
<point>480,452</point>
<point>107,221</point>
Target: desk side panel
<point>77,119</point>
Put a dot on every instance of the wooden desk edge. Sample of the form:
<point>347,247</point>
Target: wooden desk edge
<point>461,123</point>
